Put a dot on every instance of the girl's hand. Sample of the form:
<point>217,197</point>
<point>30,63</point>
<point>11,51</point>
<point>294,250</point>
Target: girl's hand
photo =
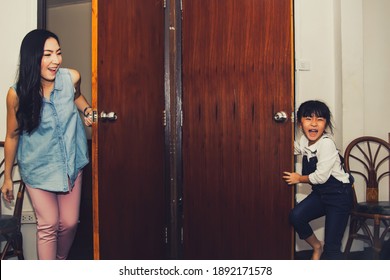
<point>8,190</point>
<point>291,178</point>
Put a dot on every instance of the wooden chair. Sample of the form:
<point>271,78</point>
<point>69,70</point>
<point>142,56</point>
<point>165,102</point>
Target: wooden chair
<point>10,225</point>
<point>369,158</point>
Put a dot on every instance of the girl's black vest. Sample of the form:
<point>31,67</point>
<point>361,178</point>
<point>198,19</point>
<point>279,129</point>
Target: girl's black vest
<point>332,185</point>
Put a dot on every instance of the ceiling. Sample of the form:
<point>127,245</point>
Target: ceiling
<point>57,3</point>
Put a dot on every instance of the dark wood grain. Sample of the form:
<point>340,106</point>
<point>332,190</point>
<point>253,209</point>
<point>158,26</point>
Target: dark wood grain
<point>130,72</point>
<point>237,72</point>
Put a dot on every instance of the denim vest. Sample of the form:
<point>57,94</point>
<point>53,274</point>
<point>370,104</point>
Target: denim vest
<point>51,157</point>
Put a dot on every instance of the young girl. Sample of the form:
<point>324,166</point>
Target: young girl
<point>322,168</point>
<point>46,134</point>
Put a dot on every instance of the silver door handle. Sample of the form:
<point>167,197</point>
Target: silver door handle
<point>280,117</point>
<point>111,116</point>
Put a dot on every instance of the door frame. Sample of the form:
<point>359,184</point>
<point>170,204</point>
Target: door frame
<point>173,131</point>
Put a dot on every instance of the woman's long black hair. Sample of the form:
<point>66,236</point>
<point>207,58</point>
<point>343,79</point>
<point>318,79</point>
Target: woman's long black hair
<point>28,85</point>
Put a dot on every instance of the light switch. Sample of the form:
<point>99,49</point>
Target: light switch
<point>302,65</point>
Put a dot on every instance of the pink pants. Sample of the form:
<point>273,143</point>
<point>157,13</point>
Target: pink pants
<point>57,218</point>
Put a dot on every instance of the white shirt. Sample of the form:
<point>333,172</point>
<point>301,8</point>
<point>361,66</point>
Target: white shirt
<point>328,159</point>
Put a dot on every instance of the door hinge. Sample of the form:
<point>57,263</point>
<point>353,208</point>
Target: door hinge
<point>166,235</point>
<point>164,118</point>
<point>181,118</point>
<point>165,4</point>
<point>292,117</point>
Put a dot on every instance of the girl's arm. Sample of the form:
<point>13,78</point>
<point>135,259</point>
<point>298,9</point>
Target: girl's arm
<point>79,99</point>
<point>10,144</point>
<point>293,178</point>
<point>327,156</point>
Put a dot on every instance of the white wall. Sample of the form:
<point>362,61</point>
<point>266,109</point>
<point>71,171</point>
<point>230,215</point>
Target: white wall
<point>366,70</point>
<point>18,17</point>
<point>72,24</point>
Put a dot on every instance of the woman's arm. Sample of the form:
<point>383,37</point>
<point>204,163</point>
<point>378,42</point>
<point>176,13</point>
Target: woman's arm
<point>79,99</point>
<point>10,144</point>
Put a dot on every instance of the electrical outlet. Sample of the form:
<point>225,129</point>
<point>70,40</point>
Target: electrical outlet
<point>28,217</point>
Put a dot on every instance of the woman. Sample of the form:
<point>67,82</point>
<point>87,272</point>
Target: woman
<point>46,134</point>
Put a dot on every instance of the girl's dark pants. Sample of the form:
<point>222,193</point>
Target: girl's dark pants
<point>333,202</point>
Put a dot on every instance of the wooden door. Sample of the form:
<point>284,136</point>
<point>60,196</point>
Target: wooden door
<point>128,153</point>
<point>237,74</point>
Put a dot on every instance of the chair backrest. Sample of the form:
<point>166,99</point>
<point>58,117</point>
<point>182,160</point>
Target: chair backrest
<point>19,201</point>
<point>369,158</point>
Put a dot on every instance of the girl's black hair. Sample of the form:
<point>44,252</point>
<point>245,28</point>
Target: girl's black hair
<point>315,108</point>
<point>28,85</point>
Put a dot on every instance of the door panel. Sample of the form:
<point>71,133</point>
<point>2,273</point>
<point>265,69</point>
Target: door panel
<point>129,191</point>
<point>237,73</point>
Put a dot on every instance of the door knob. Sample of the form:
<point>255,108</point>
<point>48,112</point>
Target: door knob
<point>111,116</point>
<point>280,117</point>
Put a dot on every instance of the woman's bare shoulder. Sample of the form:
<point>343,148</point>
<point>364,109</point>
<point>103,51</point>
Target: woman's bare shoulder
<point>75,75</point>
<point>12,97</point>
